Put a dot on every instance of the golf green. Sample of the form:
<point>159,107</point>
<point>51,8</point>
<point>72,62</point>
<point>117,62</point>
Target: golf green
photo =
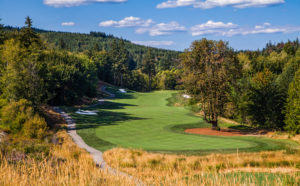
<point>145,121</point>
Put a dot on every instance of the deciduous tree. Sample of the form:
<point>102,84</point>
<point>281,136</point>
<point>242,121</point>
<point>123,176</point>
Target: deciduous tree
<point>207,73</point>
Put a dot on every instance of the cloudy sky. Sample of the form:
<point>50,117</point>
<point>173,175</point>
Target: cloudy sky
<point>171,24</point>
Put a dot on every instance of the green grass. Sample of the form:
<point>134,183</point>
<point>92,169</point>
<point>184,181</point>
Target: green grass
<point>146,121</point>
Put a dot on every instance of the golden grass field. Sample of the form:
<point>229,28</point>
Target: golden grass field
<point>213,169</point>
<point>69,165</point>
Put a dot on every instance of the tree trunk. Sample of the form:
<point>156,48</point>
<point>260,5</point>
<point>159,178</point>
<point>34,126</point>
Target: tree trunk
<point>214,122</point>
<point>121,80</point>
<point>215,125</point>
<point>150,83</point>
<point>115,78</point>
<point>205,117</point>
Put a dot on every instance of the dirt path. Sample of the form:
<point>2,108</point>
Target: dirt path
<point>96,154</point>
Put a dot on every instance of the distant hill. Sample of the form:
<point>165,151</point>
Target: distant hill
<point>80,42</point>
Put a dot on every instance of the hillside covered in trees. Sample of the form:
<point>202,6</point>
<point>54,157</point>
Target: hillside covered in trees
<point>98,41</point>
<point>257,88</point>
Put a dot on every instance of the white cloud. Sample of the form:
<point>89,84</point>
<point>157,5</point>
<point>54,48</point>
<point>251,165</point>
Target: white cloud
<point>230,29</point>
<point>176,3</point>
<point>162,29</point>
<point>206,4</point>
<point>211,27</point>
<point>70,3</point>
<point>154,43</point>
<point>67,24</point>
<point>127,22</point>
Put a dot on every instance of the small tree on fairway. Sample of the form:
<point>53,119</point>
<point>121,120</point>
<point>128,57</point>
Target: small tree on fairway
<point>148,66</point>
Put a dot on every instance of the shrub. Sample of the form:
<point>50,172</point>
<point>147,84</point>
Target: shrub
<point>35,127</point>
<point>19,118</point>
<point>15,114</point>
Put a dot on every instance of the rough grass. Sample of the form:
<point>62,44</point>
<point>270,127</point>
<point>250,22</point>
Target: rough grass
<point>262,168</point>
<point>65,165</point>
<point>146,121</point>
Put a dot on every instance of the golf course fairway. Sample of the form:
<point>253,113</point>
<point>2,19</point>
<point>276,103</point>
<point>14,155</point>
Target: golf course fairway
<point>145,121</point>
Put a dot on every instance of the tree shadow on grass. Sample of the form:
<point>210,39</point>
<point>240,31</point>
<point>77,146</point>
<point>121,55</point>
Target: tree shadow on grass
<point>109,105</point>
<point>102,119</point>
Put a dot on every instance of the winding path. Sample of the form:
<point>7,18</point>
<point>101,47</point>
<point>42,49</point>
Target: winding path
<point>96,154</point>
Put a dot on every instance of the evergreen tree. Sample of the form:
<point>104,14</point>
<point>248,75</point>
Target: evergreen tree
<point>122,62</point>
<point>265,101</point>
<point>148,67</point>
<point>2,36</point>
<point>21,78</point>
<point>114,56</point>
<point>292,113</point>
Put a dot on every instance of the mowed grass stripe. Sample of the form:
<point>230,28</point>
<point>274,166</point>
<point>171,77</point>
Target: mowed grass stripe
<point>142,121</point>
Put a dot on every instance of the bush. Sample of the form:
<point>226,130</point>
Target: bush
<point>35,127</point>
<point>15,114</point>
<point>19,118</point>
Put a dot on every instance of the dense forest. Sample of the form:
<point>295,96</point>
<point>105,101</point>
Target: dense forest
<point>38,68</point>
<point>98,41</point>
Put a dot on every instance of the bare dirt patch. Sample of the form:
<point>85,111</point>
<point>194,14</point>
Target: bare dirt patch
<point>222,132</point>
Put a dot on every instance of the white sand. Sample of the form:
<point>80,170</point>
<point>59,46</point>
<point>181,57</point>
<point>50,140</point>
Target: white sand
<point>186,96</point>
<point>122,91</point>
<point>86,112</point>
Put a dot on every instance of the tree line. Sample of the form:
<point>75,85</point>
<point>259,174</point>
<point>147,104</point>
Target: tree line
<point>260,88</point>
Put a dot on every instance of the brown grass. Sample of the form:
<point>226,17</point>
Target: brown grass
<point>68,165</point>
<point>177,169</point>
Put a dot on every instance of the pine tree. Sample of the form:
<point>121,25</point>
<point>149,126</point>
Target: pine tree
<point>148,67</point>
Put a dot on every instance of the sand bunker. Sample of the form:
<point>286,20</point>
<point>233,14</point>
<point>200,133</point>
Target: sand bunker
<point>86,112</point>
<point>186,96</point>
<point>122,91</point>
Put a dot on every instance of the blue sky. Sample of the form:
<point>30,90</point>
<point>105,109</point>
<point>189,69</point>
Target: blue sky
<point>171,24</point>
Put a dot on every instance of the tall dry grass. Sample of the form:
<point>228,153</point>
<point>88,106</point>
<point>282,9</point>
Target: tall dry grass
<point>67,165</point>
<point>214,169</point>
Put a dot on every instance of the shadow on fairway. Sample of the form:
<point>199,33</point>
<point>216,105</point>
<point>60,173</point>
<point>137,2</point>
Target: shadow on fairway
<point>107,105</point>
<point>102,119</point>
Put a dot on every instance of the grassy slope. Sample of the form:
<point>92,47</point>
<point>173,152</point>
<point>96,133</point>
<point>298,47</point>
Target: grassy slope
<point>144,121</point>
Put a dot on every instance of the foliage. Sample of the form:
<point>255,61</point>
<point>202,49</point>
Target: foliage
<point>20,78</point>
<point>35,127</point>
<point>148,67</point>
<point>20,118</point>
<point>208,66</point>
<point>169,79</point>
<point>292,118</point>
<point>68,77</point>
<point>265,101</point>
